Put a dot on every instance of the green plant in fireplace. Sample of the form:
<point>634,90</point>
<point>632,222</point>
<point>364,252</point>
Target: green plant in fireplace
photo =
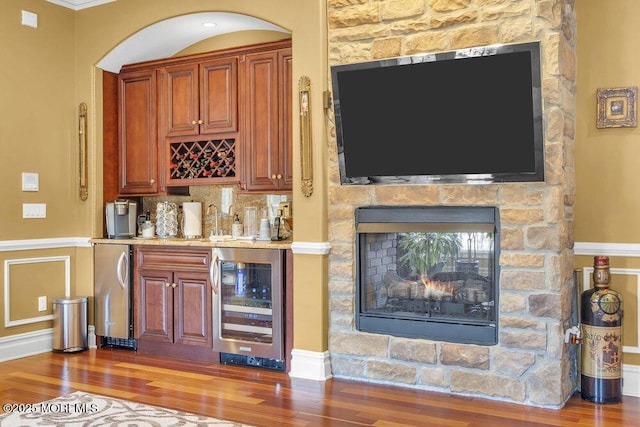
<point>423,251</point>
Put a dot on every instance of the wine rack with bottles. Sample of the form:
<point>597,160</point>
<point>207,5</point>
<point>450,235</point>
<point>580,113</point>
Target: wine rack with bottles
<point>202,162</point>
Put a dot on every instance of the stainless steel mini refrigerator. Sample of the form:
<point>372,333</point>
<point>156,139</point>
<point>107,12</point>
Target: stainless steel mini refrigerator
<point>113,293</point>
<point>248,306</point>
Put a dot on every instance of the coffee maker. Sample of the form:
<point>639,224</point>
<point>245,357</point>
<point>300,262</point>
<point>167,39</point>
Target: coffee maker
<point>121,219</point>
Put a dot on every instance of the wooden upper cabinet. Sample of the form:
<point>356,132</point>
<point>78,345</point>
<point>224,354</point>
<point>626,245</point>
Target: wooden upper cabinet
<point>212,118</point>
<point>267,121</point>
<point>137,133</point>
<point>199,98</point>
<point>285,107</point>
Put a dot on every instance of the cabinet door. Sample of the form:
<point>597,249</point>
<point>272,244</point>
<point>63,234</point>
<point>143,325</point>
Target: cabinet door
<point>261,126</point>
<point>179,102</point>
<point>285,117</point>
<point>265,134</point>
<point>138,145</point>
<point>192,309</point>
<point>155,319</point>
<point>199,99</point>
<point>219,96</point>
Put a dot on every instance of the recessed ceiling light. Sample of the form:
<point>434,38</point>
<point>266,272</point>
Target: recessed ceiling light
<point>209,24</point>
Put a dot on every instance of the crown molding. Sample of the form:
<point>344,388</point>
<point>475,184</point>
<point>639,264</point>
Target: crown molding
<point>79,4</point>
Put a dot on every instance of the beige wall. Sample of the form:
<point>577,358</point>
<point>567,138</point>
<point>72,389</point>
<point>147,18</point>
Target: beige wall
<point>38,110</point>
<point>606,159</point>
<point>607,168</point>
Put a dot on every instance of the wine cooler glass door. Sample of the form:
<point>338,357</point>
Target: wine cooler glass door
<point>248,302</point>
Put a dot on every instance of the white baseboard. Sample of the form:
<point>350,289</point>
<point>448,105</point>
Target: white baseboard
<point>27,344</point>
<point>30,343</point>
<point>631,380</point>
<point>310,365</point>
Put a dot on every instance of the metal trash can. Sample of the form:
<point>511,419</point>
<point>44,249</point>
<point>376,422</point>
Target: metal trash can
<point>70,324</point>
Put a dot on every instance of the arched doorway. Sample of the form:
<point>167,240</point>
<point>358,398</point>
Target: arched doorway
<point>165,38</point>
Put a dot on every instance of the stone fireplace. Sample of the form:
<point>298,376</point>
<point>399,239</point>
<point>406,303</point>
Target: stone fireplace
<point>530,364</point>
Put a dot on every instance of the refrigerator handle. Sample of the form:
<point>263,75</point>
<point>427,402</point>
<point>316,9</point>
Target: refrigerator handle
<point>122,262</point>
<point>213,272</point>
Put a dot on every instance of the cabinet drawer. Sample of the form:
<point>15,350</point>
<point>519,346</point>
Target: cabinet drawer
<point>173,258</point>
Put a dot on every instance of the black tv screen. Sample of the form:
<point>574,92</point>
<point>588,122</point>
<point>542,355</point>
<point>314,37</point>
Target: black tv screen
<point>472,115</point>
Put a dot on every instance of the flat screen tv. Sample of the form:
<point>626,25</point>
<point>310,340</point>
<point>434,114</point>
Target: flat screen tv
<point>472,115</point>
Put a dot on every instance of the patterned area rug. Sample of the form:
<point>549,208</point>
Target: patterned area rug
<point>90,410</point>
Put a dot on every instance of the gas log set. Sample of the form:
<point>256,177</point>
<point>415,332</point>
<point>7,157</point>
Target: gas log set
<point>445,294</point>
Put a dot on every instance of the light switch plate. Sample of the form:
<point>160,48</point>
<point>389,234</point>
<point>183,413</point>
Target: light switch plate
<point>30,181</point>
<point>29,19</point>
<point>34,210</point>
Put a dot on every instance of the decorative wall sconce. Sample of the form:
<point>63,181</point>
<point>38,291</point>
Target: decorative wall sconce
<point>304,87</point>
<point>82,136</point>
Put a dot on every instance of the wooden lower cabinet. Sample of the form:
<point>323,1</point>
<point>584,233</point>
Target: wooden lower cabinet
<point>173,302</point>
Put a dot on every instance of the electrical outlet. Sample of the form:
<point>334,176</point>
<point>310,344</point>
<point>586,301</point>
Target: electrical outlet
<point>42,303</point>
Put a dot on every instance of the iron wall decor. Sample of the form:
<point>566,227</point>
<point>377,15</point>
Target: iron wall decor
<point>617,108</point>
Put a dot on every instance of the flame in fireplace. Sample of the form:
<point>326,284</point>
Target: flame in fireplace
<point>436,290</point>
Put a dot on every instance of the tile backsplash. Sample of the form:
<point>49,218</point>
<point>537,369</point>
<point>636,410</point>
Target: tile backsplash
<point>227,199</point>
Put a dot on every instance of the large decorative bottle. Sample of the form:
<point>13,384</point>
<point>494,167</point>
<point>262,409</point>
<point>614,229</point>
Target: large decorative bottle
<point>601,318</point>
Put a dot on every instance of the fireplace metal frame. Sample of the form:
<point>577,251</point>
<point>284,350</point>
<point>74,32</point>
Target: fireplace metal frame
<point>467,331</point>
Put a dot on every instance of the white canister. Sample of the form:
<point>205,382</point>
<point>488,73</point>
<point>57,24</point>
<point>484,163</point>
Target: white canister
<point>148,230</point>
<point>265,229</point>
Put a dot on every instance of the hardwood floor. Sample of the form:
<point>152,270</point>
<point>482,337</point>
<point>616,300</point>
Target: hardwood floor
<point>268,398</point>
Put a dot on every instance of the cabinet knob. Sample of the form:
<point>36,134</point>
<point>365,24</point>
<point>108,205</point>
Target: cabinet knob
<point>166,285</point>
<point>174,285</point>
<point>273,176</point>
<point>197,122</point>
<point>200,122</point>
<point>279,176</point>
<point>153,181</point>
<point>193,122</point>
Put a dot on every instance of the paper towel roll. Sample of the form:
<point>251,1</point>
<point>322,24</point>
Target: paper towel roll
<point>192,214</point>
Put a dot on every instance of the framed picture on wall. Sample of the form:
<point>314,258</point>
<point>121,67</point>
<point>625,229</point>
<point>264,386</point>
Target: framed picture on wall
<point>617,108</point>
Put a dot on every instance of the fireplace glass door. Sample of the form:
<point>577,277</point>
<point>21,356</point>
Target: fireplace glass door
<point>428,272</point>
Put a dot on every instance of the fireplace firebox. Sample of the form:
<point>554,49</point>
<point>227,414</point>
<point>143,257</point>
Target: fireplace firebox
<point>428,272</point>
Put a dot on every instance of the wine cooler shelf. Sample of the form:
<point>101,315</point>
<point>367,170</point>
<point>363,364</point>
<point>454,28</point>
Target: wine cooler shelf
<point>202,159</point>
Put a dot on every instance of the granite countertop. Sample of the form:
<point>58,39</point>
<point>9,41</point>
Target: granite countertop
<point>203,242</point>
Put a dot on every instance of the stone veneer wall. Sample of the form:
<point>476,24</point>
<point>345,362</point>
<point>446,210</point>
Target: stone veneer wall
<point>530,365</point>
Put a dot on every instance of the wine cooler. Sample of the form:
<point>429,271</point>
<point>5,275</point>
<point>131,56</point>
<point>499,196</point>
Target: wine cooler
<point>248,306</point>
